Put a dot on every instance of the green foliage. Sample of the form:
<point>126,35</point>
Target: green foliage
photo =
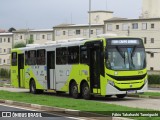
<point>19,45</point>
<point>30,41</point>
<point>154,79</point>
<point>4,73</point>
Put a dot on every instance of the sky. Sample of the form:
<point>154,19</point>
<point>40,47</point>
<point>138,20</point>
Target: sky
<point>44,14</point>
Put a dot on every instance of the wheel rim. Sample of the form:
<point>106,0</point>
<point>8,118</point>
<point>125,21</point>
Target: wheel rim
<point>74,90</point>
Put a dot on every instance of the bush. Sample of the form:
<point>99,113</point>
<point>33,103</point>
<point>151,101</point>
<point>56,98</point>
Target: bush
<point>153,79</point>
<point>19,45</point>
<point>4,73</point>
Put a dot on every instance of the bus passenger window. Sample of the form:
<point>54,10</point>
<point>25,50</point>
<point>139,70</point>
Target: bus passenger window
<point>14,59</point>
<point>26,57</point>
<point>73,55</point>
<point>31,57</point>
<point>41,57</point>
<point>61,56</point>
<point>83,56</point>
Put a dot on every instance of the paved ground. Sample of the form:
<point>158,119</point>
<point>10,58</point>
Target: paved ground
<point>152,104</point>
<point>14,89</point>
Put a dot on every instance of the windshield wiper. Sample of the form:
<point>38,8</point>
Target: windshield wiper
<point>133,51</point>
<point>120,52</point>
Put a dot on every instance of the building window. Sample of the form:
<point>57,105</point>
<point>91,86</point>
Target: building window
<point>117,27</point>
<point>152,40</point>
<point>91,31</point>
<point>145,40</point>
<point>109,27</point>
<point>78,32</point>
<point>152,25</point>
<point>144,26</point>
<point>0,40</point>
<point>70,32</point>
<point>49,37</point>
<point>4,61</point>
<point>8,61</point>
<point>64,32</point>
<point>9,40</point>
<point>21,37</point>
<point>43,36</point>
<point>85,31</point>
<point>135,26</point>
<point>99,31</point>
<point>125,27</point>
<point>58,32</point>
<point>37,37</point>
<point>4,39</point>
<point>4,50</point>
<point>152,55</point>
<point>8,50</point>
<point>152,68</point>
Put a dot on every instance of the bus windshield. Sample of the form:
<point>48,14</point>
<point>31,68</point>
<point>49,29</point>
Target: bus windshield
<point>125,57</point>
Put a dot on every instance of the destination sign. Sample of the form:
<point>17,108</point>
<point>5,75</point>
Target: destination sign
<point>124,42</point>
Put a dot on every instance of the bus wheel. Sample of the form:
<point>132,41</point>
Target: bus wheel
<point>74,90</point>
<point>121,95</point>
<point>33,87</point>
<point>86,93</point>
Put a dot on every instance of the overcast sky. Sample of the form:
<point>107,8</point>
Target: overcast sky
<point>38,14</point>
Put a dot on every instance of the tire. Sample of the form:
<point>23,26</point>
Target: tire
<point>74,90</point>
<point>33,87</point>
<point>108,96</point>
<point>86,93</point>
<point>121,95</point>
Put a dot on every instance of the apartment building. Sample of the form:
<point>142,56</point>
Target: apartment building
<point>5,49</point>
<point>147,28</point>
<point>41,36</point>
<point>67,31</point>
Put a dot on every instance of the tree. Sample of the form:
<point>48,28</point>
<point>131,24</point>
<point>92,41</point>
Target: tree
<point>19,45</point>
<point>30,41</point>
<point>11,29</point>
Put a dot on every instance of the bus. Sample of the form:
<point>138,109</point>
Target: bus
<point>105,66</point>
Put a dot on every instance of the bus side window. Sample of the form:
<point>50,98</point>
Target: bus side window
<point>14,59</point>
<point>26,57</point>
<point>31,57</point>
<point>83,54</point>
<point>73,55</point>
<point>41,57</point>
<point>61,56</point>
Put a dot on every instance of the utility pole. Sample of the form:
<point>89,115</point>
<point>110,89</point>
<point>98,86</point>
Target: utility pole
<point>89,18</point>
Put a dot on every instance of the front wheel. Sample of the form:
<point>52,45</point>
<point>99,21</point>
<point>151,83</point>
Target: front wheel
<point>121,95</point>
<point>86,93</point>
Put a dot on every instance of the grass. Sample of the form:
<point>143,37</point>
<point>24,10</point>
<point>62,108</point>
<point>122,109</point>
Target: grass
<point>69,103</point>
<point>151,94</point>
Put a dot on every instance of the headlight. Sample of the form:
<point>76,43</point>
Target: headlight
<point>111,82</point>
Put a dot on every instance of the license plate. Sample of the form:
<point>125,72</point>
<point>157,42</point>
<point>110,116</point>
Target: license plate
<point>131,91</point>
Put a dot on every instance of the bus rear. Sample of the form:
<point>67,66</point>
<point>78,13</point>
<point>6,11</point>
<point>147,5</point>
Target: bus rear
<point>125,66</point>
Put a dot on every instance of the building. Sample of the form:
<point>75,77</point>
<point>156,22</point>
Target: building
<point>67,31</point>
<point>148,29</point>
<point>5,49</point>
<point>41,36</point>
<point>150,9</point>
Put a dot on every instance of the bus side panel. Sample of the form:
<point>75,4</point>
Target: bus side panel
<point>14,76</point>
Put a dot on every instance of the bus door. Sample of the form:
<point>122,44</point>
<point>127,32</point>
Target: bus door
<point>21,79</point>
<point>51,69</point>
<point>94,63</point>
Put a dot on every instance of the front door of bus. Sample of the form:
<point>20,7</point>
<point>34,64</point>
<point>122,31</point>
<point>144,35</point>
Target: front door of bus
<point>51,70</point>
<point>94,62</point>
<point>21,80</point>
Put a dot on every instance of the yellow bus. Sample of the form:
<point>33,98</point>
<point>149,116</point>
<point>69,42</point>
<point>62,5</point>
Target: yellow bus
<point>105,66</point>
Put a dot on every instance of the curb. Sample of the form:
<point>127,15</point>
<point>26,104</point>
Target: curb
<point>74,113</point>
<point>144,96</point>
